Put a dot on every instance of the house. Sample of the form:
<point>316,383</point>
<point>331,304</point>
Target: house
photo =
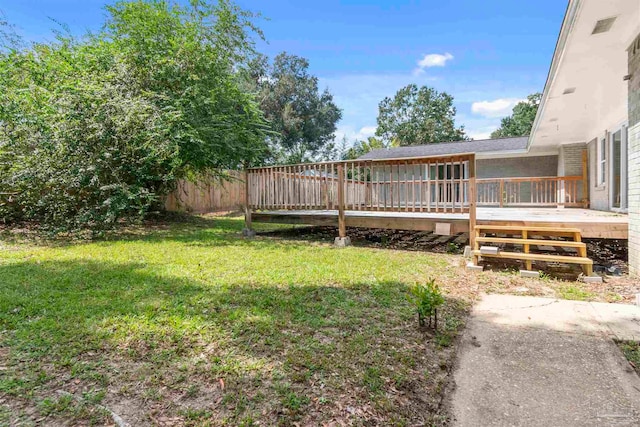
<point>587,126</point>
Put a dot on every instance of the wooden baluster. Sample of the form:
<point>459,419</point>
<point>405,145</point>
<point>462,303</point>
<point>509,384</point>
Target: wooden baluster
<point>261,188</point>
<point>385,191</point>
<point>342,227</point>
<point>326,186</point>
<point>278,188</point>
<point>437,195</point>
<point>461,185</point>
<point>334,186</point>
<point>390,185</point>
<point>406,186</point>
<point>267,184</point>
<point>358,187</point>
<point>428,195</point>
<point>399,189</point>
<point>290,193</point>
<point>420,186</point>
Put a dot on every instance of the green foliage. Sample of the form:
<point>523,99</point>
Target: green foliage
<point>417,116</point>
<point>302,118</point>
<point>97,130</point>
<point>360,148</point>
<point>631,350</point>
<point>426,298</point>
<point>519,123</point>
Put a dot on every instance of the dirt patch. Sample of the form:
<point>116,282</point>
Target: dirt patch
<point>381,238</point>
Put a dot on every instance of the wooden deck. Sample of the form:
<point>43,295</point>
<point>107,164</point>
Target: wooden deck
<point>593,224</point>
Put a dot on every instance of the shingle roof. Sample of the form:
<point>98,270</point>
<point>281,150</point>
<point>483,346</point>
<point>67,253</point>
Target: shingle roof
<point>444,148</point>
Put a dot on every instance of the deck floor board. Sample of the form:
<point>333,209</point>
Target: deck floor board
<point>594,224</point>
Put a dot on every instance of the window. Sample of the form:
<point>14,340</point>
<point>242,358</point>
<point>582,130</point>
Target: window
<point>602,161</point>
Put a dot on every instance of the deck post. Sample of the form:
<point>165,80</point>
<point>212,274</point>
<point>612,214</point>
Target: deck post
<point>585,181</point>
<point>472,204</point>
<point>247,231</point>
<point>342,239</point>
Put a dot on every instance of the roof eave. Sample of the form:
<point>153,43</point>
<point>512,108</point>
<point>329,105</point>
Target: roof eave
<point>565,30</point>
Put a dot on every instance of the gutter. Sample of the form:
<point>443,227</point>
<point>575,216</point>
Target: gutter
<point>565,30</point>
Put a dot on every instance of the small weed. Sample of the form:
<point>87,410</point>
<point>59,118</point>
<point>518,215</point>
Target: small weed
<point>94,396</point>
<point>443,339</point>
<point>372,379</point>
<point>453,248</point>
<point>50,406</point>
<point>631,350</point>
<point>192,390</point>
<point>195,414</point>
<point>575,293</point>
<point>293,401</point>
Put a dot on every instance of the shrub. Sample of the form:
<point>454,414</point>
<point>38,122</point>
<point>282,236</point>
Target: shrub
<point>427,298</point>
<point>98,129</point>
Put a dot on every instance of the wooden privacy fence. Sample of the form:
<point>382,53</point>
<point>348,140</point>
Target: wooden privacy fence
<point>538,191</point>
<point>436,184</point>
<point>208,196</point>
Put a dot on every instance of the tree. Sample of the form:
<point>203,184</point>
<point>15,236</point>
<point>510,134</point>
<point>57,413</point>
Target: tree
<point>520,122</point>
<point>98,129</point>
<point>418,116</point>
<point>360,148</point>
<point>303,120</point>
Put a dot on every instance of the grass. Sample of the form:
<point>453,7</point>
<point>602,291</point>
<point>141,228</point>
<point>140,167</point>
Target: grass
<point>191,324</point>
<point>631,350</point>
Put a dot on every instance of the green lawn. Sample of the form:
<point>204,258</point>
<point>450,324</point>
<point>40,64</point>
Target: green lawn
<point>192,324</point>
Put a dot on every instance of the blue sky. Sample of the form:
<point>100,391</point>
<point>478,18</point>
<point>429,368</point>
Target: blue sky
<point>488,54</point>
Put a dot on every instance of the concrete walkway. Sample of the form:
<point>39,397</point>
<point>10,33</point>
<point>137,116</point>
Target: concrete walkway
<point>528,361</point>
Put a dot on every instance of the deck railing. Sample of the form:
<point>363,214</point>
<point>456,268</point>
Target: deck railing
<point>432,184</point>
<point>537,191</point>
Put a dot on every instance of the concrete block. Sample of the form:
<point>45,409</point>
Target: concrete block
<point>247,232</point>
<point>530,274</point>
<point>489,250</point>
<point>472,267</point>
<point>467,252</point>
<point>592,279</point>
<point>443,229</point>
<point>342,242</point>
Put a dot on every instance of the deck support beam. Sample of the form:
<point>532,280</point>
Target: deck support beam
<point>472,203</point>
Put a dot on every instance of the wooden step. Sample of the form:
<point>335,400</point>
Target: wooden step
<point>535,242</point>
<point>538,257</point>
<point>527,228</point>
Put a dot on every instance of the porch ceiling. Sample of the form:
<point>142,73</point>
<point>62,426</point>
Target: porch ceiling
<point>591,67</point>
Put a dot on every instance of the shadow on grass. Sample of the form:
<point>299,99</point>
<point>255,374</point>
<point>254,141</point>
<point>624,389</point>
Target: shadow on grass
<point>120,325</point>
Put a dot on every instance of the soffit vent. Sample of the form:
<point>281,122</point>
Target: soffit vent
<point>603,25</point>
<point>569,90</point>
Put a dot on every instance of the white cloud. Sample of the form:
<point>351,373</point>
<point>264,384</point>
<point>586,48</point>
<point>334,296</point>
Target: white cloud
<point>354,135</point>
<point>497,108</point>
<point>482,131</point>
<point>480,135</point>
<point>368,131</point>
<point>432,60</point>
